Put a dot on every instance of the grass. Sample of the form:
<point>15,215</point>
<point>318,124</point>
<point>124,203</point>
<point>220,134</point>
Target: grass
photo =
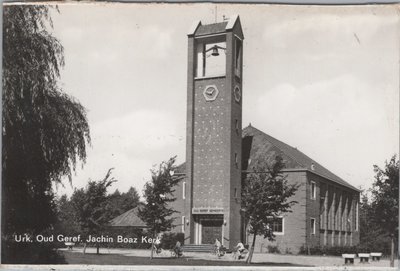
<point>115,259</point>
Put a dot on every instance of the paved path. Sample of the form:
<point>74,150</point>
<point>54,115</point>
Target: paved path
<point>301,260</point>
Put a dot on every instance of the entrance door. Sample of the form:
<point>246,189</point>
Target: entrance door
<point>211,230</point>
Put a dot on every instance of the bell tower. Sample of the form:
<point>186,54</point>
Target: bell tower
<point>214,132</point>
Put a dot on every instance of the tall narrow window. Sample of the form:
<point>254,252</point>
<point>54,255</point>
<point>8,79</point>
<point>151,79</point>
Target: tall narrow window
<point>238,57</point>
<point>312,226</point>
<point>313,190</point>
<point>356,215</point>
<point>184,190</point>
<point>236,194</point>
<point>236,160</point>
<point>183,223</point>
<point>237,126</point>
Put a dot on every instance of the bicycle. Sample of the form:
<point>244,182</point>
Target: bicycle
<point>174,253</point>
<point>219,251</point>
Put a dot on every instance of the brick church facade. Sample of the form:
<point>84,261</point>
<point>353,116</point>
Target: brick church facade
<point>219,153</point>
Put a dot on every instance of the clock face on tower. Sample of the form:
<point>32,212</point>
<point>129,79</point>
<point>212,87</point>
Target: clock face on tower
<point>237,94</point>
<point>210,93</point>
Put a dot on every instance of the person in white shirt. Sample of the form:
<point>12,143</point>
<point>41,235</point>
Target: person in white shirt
<point>239,250</point>
<point>217,245</point>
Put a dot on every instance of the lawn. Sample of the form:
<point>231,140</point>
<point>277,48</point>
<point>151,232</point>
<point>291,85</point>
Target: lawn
<point>115,259</point>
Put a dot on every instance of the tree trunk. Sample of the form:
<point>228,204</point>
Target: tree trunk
<point>152,248</point>
<point>252,248</point>
<point>97,248</point>
<point>392,251</point>
<point>84,248</point>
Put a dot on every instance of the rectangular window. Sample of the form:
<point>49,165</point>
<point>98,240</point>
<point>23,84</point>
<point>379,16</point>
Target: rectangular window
<point>184,190</point>
<point>236,160</point>
<point>183,223</point>
<point>276,224</point>
<point>236,194</point>
<point>312,226</point>
<point>313,190</point>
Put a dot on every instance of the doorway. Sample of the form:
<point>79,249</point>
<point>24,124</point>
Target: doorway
<point>209,228</point>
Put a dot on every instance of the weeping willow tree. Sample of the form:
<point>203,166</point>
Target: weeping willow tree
<point>45,131</point>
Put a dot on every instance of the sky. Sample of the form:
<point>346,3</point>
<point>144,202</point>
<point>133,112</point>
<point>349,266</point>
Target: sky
<point>323,79</point>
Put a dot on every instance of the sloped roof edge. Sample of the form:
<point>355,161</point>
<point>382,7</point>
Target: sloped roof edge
<point>300,158</point>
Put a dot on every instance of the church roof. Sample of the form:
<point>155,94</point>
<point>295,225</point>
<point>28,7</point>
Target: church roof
<point>128,219</point>
<point>198,29</point>
<point>258,147</point>
<point>211,28</point>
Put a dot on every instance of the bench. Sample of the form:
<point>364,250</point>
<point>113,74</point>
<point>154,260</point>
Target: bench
<point>349,258</point>
<point>376,256</point>
<point>364,257</point>
<point>69,245</point>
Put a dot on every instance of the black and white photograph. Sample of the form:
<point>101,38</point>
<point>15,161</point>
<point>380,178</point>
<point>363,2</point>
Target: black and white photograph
<point>200,134</point>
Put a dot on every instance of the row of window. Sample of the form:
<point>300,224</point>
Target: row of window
<point>313,196</point>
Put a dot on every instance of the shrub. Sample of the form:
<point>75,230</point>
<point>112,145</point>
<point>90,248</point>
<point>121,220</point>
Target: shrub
<point>273,249</point>
<point>169,239</point>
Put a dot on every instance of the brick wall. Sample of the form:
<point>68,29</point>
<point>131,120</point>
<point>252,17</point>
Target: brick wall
<point>294,225</point>
<point>179,205</point>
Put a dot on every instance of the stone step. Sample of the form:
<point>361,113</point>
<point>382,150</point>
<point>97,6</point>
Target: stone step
<point>198,248</point>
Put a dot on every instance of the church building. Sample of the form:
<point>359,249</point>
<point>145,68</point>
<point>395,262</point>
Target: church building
<point>219,153</point>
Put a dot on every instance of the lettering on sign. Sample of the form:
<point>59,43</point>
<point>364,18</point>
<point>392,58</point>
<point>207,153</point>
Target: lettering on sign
<point>208,210</point>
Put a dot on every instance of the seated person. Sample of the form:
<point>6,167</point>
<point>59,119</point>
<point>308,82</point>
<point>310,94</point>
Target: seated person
<point>157,245</point>
<point>217,245</point>
<point>240,249</point>
<point>177,248</point>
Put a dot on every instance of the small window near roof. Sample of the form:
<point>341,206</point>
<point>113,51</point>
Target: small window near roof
<point>313,190</point>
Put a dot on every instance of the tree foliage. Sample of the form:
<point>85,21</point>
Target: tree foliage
<point>379,213</point>
<point>158,193</point>
<point>266,195</point>
<point>89,204</point>
<point>119,203</point>
<point>385,196</point>
<point>45,131</point>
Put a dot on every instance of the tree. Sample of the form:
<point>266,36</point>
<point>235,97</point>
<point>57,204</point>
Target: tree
<point>45,131</point>
<point>119,203</point>
<point>265,196</point>
<point>89,205</point>
<point>66,218</point>
<point>158,193</point>
<point>385,200</point>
